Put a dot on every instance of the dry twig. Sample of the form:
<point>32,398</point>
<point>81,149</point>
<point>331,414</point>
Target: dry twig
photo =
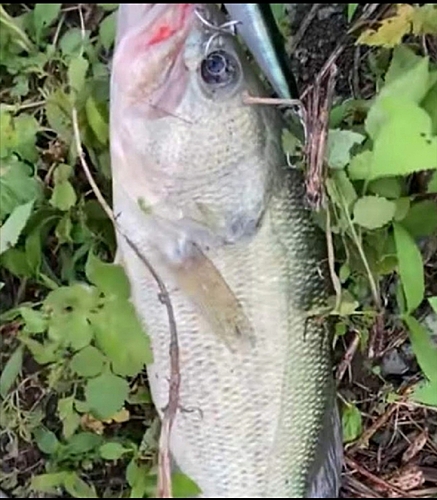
<point>164,464</point>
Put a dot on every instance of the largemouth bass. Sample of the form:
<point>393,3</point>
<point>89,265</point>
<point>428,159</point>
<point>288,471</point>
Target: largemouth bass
<point>201,186</point>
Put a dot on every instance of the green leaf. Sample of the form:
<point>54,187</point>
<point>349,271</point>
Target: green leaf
<point>373,212</point>
<point>106,394</point>
<point>33,250</point>
<point>351,8</point>
<point>10,371</point>
<point>48,483</point>
<point>136,476</point>
<point>409,88</point>
<point>426,393</point>
<point>43,353</point>
<point>410,267</point>
<point>88,362</point>
<point>109,278</point>
<point>46,441</point>
<point>421,219</point>
<point>77,487</point>
<point>107,31</point>
<point>120,336</point>
<point>423,347</point>
<point>43,15</point>
<point>402,208</point>
<point>83,442</point>
<point>404,144</point>
<point>340,188</point>
<point>63,196</point>
<point>77,71</point>
<point>10,231</point>
<point>351,423</point>
<point>429,105</point>
<point>184,487</point>
<point>340,142</point>
<point>71,43</point>
<point>17,186</point>
<point>388,187</point>
<point>112,451</point>
<point>433,303</point>
<point>96,121</point>
<point>70,330</point>
<point>69,418</point>
<point>360,165</point>
<point>35,321</point>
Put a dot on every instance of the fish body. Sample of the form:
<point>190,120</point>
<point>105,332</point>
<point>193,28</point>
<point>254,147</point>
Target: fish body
<point>201,186</point>
<point>258,28</point>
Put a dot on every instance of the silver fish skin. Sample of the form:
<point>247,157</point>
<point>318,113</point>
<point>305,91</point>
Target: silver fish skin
<point>200,184</point>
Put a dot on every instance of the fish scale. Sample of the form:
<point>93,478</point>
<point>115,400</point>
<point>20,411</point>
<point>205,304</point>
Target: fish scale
<point>252,422</point>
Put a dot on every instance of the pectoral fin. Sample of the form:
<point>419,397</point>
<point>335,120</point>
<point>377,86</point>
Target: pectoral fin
<point>202,282</point>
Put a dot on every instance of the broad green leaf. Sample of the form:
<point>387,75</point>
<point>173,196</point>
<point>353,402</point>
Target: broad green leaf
<point>43,353</point>
<point>43,15</point>
<point>120,336</point>
<point>429,104</point>
<point>83,442</point>
<point>71,43</point>
<point>421,219</point>
<point>11,230</point>
<point>77,487</point>
<point>425,20</point>
<point>340,189</point>
<point>388,187</point>
<point>433,303</point>
<point>360,166</point>
<point>106,394</point>
<point>137,477</point>
<point>423,347</point>
<point>410,267</point>
<point>373,212</point>
<point>48,483</point>
<point>17,186</point>
<point>33,250</point>
<point>68,416</point>
<point>107,31</point>
<point>58,113</point>
<point>426,393</point>
<point>70,329</point>
<point>26,128</point>
<point>351,8</point>
<point>351,423</point>
<point>113,451</point>
<point>88,362</point>
<point>77,72</point>
<point>340,143</point>
<point>10,371</point>
<point>402,208</point>
<point>404,143</point>
<point>35,321</point>
<point>408,88</point>
<point>96,120</point>
<point>183,486</point>
<point>46,440</point>
<point>109,278</point>
<point>63,196</point>
<point>78,298</point>
<point>403,60</point>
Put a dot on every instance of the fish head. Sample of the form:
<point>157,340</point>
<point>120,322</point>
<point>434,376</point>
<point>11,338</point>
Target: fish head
<point>165,51</point>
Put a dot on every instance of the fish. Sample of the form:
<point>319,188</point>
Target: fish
<point>202,188</point>
<point>258,29</point>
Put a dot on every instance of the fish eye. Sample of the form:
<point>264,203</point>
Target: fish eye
<point>219,68</point>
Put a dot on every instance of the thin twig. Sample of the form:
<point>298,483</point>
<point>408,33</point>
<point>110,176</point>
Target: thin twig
<point>375,479</point>
<point>164,470</point>
<point>348,356</point>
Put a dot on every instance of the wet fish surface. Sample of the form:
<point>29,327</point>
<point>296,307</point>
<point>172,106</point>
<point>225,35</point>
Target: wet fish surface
<point>201,185</point>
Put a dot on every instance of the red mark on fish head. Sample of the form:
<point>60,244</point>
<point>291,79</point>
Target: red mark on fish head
<point>167,29</point>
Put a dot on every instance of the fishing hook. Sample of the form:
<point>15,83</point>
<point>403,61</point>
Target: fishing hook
<point>228,28</point>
